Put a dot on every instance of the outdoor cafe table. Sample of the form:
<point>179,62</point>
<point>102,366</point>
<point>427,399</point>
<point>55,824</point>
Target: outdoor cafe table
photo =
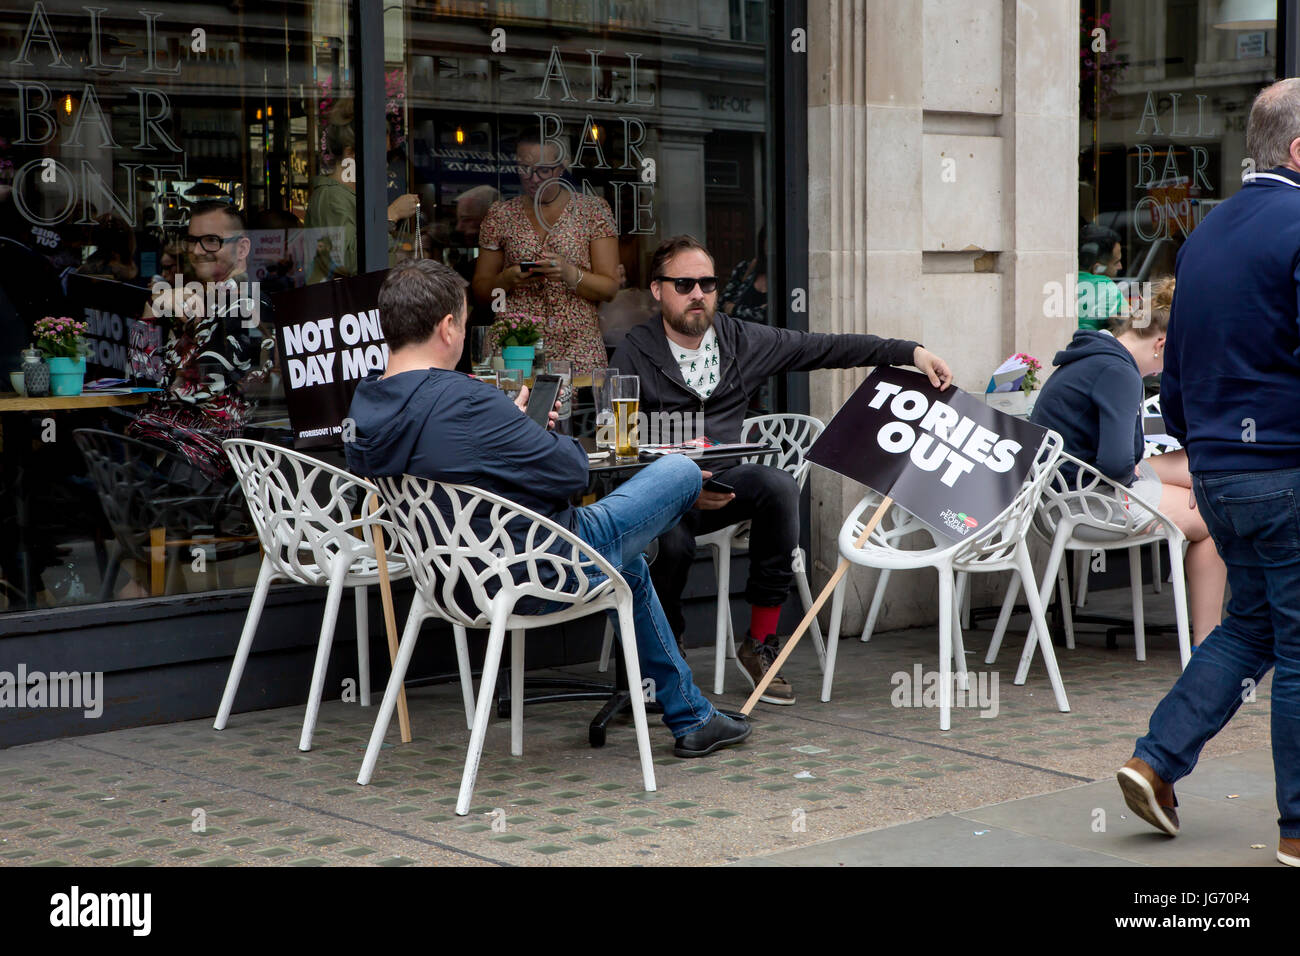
<point>606,474</point>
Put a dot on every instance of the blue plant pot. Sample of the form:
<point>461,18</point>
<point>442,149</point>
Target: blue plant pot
<point>520,357</point>
<point>67,375</point>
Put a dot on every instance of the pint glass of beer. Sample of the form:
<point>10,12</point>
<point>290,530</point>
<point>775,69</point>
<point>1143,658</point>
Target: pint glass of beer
<point>625,396</point>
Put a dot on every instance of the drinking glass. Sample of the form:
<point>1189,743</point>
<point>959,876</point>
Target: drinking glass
<point>600,394</point>
<point>625,397</point>
<point>510,381</point>
<point>564,369</point>
<point>480,349</point>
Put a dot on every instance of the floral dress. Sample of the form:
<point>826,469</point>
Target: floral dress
<point>570,322</point>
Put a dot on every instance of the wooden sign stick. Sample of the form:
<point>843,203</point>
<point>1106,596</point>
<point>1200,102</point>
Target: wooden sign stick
<point>812,611</point>
<point>390,620</point>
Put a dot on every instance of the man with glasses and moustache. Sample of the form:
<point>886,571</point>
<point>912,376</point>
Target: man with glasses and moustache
<point>698,359</point>
<point>202,353</point>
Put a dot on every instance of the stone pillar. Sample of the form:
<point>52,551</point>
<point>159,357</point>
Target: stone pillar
<point>942,155</point>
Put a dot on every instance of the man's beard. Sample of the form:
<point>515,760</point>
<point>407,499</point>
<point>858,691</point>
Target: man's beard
<point>691,323</point>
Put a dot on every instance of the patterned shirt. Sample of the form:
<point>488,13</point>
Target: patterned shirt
<point>699,366</point>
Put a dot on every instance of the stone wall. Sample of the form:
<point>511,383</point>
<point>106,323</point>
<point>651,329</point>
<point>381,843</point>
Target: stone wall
<point>943,170</point>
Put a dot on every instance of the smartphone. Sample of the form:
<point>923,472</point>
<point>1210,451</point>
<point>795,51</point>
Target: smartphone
<point>541,399</point>
<point>721,487</point>
<point>527,266</point>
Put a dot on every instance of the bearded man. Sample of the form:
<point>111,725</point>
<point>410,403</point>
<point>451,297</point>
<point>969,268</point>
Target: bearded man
<point>694,359</point>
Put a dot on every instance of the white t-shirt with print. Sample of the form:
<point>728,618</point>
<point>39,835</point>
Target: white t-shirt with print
<point>700,367</point>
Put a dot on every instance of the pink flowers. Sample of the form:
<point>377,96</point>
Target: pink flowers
<point>59,336</point>
<point>1032,365</point>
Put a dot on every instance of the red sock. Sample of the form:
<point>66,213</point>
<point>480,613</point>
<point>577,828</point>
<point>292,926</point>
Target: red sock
<point>763,622</point>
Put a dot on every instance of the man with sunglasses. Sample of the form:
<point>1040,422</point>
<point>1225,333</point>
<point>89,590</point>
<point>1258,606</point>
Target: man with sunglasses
<point>696,359</point>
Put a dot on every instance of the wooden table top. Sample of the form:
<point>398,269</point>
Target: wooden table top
<point>53,403</point>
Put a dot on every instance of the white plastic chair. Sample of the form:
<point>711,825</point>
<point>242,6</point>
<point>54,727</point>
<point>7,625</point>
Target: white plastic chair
<point>1082,560</point>
<point>999,546</point>
<point>1088,501</point>
<point>467,569</point>
<point>315,527</point>
<point>792,436</point>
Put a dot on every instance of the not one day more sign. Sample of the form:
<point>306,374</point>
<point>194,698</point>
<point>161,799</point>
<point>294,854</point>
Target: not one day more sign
<point>945,457</point>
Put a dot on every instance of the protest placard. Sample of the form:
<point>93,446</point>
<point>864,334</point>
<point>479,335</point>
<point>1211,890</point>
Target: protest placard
<point>945,457</point>
<point>329,337</point>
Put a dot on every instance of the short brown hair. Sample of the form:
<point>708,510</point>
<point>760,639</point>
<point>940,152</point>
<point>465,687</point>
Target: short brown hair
<point>669,248</point>
<point>415,297</point>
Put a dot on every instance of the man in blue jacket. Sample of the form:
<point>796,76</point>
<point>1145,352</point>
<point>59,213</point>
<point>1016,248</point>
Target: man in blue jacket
<point>1230,393</point>
<point>423,418</point>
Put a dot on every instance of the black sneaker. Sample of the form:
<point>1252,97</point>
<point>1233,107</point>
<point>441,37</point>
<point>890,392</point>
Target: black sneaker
<point>754,660</point>
<point>721,731</point>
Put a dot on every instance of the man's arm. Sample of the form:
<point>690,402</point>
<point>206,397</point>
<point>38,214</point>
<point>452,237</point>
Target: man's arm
<point>520,452</point>
<point>773,351</point>
<point>1171,392</point>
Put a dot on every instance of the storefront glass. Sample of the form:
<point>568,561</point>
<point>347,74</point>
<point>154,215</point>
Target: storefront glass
<point>1165,90</point>
<point>641,120</point>
<point>127,136</point>
<point>124,131</point>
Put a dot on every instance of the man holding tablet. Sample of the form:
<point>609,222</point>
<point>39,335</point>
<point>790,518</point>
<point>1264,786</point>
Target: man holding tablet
<point>423,418</point>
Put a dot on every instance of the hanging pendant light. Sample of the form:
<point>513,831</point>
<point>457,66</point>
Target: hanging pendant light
<point>1247,15</point>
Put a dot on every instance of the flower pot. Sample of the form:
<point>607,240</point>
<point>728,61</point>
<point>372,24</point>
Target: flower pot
<point>520,357</point>
<point>67,375</point>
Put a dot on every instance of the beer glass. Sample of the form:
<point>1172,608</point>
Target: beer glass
<point>625,397</point>
<point>600,393</point>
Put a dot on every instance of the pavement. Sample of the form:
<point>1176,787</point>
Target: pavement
<point>856,781</point>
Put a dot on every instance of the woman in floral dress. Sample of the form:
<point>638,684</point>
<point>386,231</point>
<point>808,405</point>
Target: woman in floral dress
<point>574,243</point>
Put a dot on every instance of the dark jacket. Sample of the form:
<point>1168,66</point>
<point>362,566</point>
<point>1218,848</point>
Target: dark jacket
<point>1231,384</point>
<point>446,426</point>
<point>1094,399</point>
<point>749,354</point>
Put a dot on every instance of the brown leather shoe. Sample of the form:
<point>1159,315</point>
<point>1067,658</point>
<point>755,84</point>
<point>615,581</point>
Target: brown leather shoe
<point>1288,851</point>
<point>1148,796</point>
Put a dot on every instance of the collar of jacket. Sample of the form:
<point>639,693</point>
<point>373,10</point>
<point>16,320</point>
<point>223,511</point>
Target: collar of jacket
<point>728,330</point>
<point>1281,171</point>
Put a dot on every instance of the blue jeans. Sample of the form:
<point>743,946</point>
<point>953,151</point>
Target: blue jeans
<point>1253,519</point>
<point>621,526</point>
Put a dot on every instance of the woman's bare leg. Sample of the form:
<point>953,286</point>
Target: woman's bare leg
<point>1206,574</point>
<point>1172,468</point>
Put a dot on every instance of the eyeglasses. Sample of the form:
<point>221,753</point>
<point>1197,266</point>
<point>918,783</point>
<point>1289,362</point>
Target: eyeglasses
<point>539,170</point>
<point>684,285</point>
<point>209,243</point>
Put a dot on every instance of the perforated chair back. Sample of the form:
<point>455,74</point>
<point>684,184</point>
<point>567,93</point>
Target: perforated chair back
<point>792,434</point>
<point>997,544</point>
<point>309,515</point>
<point>462,556</point>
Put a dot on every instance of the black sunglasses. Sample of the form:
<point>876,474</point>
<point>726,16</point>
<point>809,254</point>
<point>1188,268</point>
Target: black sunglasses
<point>684,285</point>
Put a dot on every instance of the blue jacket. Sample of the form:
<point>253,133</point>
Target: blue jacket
<point>1230,391</point>
<point>1094,399</point>
<point>449,427</point>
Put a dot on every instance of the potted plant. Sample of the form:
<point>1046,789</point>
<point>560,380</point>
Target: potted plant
<point>60,339</point>
<point>1019,401</point>
<point>518,336</point>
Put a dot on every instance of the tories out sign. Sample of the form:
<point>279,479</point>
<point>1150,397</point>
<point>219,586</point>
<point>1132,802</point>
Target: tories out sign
<point>112,312</point>
<point>945,457</point>
<point>330,337</point>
